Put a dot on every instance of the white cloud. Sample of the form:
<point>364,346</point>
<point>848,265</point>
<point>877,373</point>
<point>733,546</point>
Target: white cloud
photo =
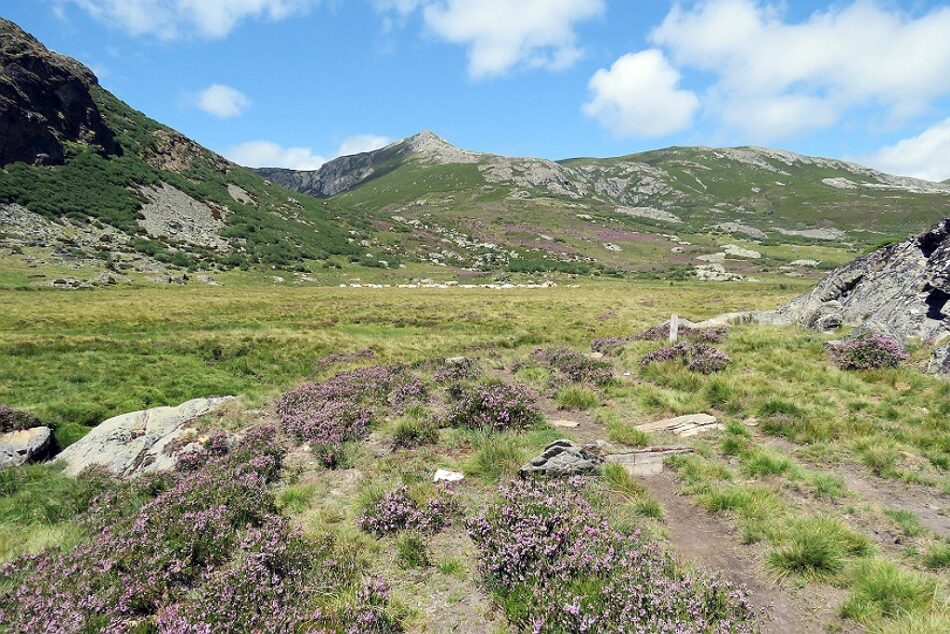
<point>362,143</point>
<point>270,154</point>
<point>170,19</point>
<point>504,34</point>
<point>222,101</point>
<point>639,96</point>
<point>926,155</point>
<point>773,77</point>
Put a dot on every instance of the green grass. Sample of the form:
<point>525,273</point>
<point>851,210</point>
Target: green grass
<point>937,556</point>
<point>296,497</point>
<point>411,551</point>
<point>881,590</point>
<point>908,522</point>
<point>577,397</point>
<point>816,548</point>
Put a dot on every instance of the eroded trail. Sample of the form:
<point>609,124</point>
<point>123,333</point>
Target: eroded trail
<point>930,506</point>
<point>701,539</point>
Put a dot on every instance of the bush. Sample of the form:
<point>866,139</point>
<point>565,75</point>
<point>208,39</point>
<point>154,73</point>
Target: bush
<point>331,413</point>
<point>608,345</point>
<point>557,566</point>
<point>495,407</point>
<point>396,511</point>
<point>208,551</point>
<point>414,433</point>
<point>867,352</point>
<point>574,366</point>
<point>696,358</point>
<point>16,420</point>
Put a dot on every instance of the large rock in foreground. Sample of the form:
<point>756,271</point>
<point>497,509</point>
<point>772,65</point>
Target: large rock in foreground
<point>138,441</point>
<point>24,445</point>
<point>901,289</point>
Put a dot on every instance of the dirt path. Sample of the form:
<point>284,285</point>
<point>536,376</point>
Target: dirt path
<point>706,541</point>
<point>931,506</point>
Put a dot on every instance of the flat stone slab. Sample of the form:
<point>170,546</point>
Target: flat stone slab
<point>137,441</point>
<point>648,461</point>
<point>23,446</point>
<point>444,475</point>
<point>684,426</point>
<point>565,424</point>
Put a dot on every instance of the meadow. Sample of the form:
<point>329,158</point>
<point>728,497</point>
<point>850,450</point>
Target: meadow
<point>826,494</point>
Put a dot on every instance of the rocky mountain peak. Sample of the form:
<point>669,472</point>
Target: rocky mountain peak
<point>432,148</point>
<point>45,100</point>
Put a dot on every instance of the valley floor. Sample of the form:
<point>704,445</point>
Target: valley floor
<point>826,493</point>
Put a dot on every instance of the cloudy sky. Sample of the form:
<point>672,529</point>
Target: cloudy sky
<point>295,82</point>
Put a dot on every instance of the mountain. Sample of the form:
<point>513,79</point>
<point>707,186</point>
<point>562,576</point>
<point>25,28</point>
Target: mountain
<point>87,182</point>
<point>92,189</point>
<point>746,208</point>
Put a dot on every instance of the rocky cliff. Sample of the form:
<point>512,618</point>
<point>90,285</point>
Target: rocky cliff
<point>45,102</point>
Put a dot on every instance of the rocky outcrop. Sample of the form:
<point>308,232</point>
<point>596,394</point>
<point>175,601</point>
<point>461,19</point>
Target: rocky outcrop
<point>24,446</point>
<point>45,100</point>
<point>901,290</point>
<point>346,172</point>
<point>138,441</point>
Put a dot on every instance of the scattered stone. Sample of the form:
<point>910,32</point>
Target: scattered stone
<point>444,475</point>
<point>684,426</point>
<point>646,462</point>
<point>739,252</point>
<point>595,355</point>
<point>565,424</point>
<point>808,263</point>
<point>649,213</point>
<point>171,213</point>
<point>563,458</point>
<point>137,441</point>
<point>814,234</point>
<point>712,257</point>
<point>24,446</point>
<point>737,227</point>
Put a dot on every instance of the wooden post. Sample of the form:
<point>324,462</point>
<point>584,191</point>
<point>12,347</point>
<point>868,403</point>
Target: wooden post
<point>674,328</point>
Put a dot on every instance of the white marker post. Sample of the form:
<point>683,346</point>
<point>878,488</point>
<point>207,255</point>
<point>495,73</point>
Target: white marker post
<point>674,328</point>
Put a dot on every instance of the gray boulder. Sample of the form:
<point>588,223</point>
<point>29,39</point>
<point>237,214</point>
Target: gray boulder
<point>563,458</point>
<point>137,441</point>
<point>901,289</point>
<point>23,446</point>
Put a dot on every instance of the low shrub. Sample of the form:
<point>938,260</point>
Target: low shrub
<point>661,332</point>
<point>557,566</point>
<point>867,352</point>
<point>460,369</point>
<point>494,407</point>
<point>340,410</point>
<point>396,510</point>
<point>414,433</point>
<point>208,551</point>
<point>16,420</point>
<point>608,345</point>
<point>696,358</point>
<point>574,366</point>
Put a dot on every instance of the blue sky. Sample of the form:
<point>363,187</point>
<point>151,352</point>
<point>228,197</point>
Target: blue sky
<point>295,82</point>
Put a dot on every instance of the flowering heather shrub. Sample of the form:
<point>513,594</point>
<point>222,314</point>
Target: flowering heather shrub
<point>396,511</point>
<point>867,352</point>
<point>16,420</point>
<point>494,407</point>
<point>575,366</point>
<point>608,345</point>
<point>697,358</point>
<point>661,332</point>
<point>215,446</point>
<point>464,369</point>
<point>559,567</point>
<point>208,553</point>
<point>328,414</point>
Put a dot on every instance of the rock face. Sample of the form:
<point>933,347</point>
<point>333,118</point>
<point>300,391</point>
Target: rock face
<point>900,290</point>
<point>23,446</point>
<point>562,458</point>
<point>45,101</point>
<point>138,441</point>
